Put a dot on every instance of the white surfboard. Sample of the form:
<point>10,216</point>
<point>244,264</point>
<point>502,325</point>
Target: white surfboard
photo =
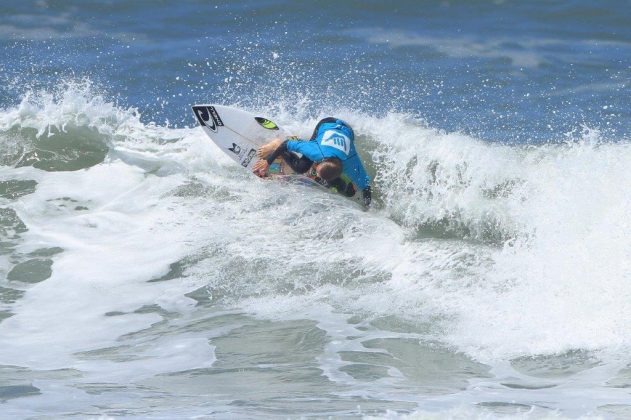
<point>239,134</point>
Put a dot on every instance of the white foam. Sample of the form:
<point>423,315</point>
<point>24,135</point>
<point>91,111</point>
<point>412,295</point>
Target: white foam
<point>107,256</point>
<point>554,273</point>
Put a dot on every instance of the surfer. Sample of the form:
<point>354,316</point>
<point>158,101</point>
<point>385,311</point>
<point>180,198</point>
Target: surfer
<point>331,151</point>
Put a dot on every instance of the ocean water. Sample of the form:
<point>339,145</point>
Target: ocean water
<point>143,274</point>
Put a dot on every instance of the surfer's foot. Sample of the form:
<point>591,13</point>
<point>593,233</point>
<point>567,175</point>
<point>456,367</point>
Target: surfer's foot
<point>267,149</point>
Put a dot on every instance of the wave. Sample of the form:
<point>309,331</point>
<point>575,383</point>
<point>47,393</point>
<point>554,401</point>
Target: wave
<point>510,250</point>
<point>518,249</point>
<point>556,215</point>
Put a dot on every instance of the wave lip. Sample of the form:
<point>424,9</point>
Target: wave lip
<point>72,127</point>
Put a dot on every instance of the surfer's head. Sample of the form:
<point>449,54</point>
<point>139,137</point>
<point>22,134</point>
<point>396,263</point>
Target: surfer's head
<point>329,169</point>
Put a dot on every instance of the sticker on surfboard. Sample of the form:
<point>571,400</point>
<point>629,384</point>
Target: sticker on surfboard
<point>265,123</point>
<point>208,116</point>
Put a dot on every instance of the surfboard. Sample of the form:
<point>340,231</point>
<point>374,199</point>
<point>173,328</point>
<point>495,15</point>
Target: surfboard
<point>239,134</point>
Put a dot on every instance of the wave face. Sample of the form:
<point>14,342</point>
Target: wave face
<point>144,274</point>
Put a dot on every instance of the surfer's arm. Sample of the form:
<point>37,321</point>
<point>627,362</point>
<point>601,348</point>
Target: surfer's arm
<point>354,169</point>
<point>308,149</point>
<point>299,165</point>
<point>267,156</point>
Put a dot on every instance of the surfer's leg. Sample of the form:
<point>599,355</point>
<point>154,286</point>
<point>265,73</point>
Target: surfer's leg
<point>268,148</point>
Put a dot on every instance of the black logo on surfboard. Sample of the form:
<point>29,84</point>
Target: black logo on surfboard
<point>236,149</point>
<point>248,158</point>
<point>208,116</point>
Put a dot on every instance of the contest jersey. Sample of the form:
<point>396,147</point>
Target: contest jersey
<point>334,140</point>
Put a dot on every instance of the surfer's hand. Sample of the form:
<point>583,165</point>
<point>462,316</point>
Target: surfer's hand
<point>260,168</point>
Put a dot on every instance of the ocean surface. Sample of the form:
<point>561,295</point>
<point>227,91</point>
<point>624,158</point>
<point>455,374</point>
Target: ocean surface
<point>143,274</point>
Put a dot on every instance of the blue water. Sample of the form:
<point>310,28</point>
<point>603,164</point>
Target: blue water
<point>504,71</point>
<point>145,275</point>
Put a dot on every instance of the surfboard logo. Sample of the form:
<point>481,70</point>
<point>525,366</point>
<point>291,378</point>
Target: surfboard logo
<point>248,158</point>
<point>207,116</point>
<point>337,140</point>
<point>265,123</point>
<point>236,149</point>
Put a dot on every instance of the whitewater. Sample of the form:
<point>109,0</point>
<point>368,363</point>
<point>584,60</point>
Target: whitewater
<point>141,264</point>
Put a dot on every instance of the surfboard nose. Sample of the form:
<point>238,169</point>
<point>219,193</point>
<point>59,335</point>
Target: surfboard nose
<point>207,116</point>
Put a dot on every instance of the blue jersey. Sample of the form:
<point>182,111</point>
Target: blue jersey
<point>334,140</point>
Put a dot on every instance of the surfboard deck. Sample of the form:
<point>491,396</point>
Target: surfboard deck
<point>239,134</point>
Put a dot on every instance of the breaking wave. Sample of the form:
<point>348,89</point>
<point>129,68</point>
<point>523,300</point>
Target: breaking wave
<point>509,250</point>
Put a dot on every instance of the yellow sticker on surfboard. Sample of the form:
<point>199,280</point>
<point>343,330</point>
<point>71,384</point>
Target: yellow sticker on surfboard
<point>265,123</point>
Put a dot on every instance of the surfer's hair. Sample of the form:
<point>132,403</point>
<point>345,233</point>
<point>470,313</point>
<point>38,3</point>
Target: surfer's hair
<point>330,168</point>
